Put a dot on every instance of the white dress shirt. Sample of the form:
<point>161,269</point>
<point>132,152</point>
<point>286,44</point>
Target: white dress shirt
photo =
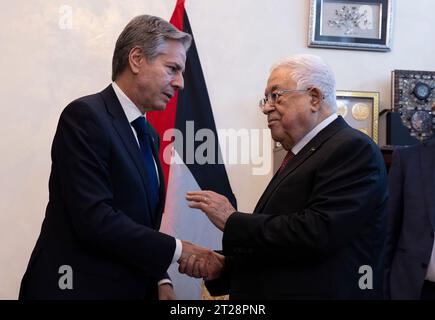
<point>132,112</point>
<point>310,135</point>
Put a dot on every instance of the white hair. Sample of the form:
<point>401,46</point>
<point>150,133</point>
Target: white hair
<point>308,71</point>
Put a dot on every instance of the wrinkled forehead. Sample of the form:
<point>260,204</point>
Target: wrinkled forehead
<point>280,78</point>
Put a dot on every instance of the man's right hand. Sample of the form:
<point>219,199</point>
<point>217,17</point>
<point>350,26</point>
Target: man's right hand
<point>199,262</point>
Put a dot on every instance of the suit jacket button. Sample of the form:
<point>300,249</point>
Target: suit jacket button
<point>424,265</point>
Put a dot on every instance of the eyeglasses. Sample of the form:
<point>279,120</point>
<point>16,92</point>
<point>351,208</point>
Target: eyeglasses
<point>271,98</point>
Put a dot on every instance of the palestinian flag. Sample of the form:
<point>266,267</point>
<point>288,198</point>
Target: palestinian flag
<point>195,164</point>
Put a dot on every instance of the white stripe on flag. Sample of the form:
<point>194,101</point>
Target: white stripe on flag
<point>188,224</point>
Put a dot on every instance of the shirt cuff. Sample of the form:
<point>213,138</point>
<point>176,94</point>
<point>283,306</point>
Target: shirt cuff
<point>164,281</point>
<point>177,255</point>
<point>178,250</point>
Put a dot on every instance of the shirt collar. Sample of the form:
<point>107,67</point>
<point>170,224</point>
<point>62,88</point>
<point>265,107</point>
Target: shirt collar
<point>131,111</point>
<point>310,135</point>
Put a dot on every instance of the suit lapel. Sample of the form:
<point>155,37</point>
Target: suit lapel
<point>427,160</point>
<point>307,151</point>
<point>122,127</point>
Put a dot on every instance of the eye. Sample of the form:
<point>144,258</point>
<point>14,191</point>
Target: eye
<point>172,69</point>
<point>274,96</point>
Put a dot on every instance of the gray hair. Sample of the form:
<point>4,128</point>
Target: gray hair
<point>150,34</point>
<point>311,71</point>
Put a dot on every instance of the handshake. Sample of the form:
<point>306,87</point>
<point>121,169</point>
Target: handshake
<point>196,261</point>
<point>199,262</point>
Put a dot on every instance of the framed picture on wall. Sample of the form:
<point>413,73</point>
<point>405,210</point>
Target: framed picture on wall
<point>360,109</point>
<point>413,96</point>
<point>351,24</point>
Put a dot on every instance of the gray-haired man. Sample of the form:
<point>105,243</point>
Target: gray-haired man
<point>318,230</point>
<point>99,238</point>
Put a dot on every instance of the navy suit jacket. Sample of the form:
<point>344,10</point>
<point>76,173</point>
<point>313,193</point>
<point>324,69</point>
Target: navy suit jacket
<point>411,220</point>
<point>318,221</point>
<point>98,220</point>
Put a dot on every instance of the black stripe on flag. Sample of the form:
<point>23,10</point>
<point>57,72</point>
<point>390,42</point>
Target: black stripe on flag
<point>194,105</point>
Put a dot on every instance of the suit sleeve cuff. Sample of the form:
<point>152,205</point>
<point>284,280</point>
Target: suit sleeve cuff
<point>178,250</point>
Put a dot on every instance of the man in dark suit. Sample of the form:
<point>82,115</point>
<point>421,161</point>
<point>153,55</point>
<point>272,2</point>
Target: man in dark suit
<point>99,238</point>
<point>318,230</point>
<point>410,257</point>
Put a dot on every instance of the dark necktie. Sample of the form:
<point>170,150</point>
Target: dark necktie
<point>145,142</point>
<point>290,155</point>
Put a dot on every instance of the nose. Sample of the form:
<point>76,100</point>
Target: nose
<point>268,108</point>
<point>178,81</point>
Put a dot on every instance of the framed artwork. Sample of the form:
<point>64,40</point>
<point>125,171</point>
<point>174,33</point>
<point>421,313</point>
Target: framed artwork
<point>360,109</point>
<point>351,24</point>
<point>413,96</point>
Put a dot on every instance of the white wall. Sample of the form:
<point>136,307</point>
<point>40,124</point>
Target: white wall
<point>45,67</point>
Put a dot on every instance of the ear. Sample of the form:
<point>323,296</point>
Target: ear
<point>135,58</point>
<point>316,98</point>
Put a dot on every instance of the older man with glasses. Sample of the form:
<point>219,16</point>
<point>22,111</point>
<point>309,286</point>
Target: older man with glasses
<point>318,230</point>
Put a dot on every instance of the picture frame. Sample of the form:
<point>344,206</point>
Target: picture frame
<point>360,109</point>
<point>351,24</point>
<point>413,97</point>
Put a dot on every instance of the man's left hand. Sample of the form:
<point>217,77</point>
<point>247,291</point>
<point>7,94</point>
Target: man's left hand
<point>217,207</point>
<point>166,292</point>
